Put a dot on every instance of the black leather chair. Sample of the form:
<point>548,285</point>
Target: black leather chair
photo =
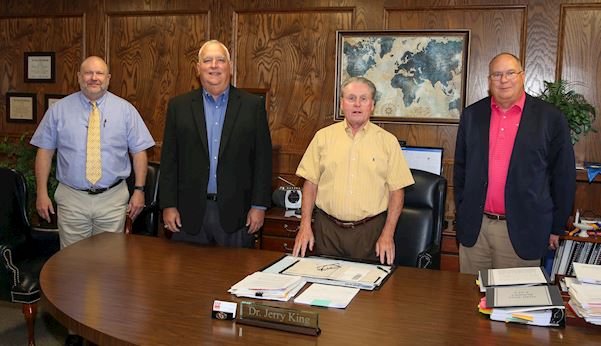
<point>147,223</point>
<point>419,229</point>
<point>23,251</point>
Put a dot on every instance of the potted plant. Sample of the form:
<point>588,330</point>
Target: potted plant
<point>577,110</point>
<point>20,155</point>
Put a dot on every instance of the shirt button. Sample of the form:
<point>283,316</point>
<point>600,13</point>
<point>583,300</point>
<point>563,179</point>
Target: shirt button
<point>502,129</point>
<point>215,158</point>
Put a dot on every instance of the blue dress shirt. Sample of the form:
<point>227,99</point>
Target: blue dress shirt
<point>214,116</point>
<point>64,128</point>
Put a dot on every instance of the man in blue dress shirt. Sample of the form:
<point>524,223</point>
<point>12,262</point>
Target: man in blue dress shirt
<point>215,181</point>
<point>88,207</point>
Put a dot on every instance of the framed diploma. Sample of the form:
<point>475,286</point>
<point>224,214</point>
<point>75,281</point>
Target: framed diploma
<point>50,99</point>
<point>39,67</point>
<point>21,107</point>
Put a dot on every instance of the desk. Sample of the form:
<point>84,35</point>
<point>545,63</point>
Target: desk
<point>116,289</point>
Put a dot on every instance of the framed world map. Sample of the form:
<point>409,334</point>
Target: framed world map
<point>420,76</point>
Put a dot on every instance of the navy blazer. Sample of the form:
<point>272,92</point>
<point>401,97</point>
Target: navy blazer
<point>541,181</point>
<point>243,168</point>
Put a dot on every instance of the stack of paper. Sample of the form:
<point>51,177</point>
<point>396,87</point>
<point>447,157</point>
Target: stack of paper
<point>327,296</point>
<point>521,295</point>
<point>588,273</point>
<point>269,286</point>
<point>585,292</point>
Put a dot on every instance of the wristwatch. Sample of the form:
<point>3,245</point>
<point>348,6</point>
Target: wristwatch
<point>141,188</point>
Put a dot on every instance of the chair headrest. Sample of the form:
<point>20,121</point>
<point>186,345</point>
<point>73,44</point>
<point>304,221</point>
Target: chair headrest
<point>426,190</point>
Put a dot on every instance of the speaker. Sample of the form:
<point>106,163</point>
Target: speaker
<point>287,197</point>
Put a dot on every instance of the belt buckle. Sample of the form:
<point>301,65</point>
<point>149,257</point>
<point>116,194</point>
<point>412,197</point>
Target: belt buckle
<point>95,190</point>
<point>347,224</point>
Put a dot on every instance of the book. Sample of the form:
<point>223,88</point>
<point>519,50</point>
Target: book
<point>567,253</point>
<point>574,256</point>
<point>553,317</point>
<point>557,259</point>
<point>524,296</point>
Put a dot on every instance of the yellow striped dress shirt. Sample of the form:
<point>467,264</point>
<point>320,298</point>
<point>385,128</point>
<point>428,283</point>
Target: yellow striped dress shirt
<point>354,175</point>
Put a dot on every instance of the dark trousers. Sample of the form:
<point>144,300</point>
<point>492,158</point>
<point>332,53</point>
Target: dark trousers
<point>212,233</point>
<point>357,242</point>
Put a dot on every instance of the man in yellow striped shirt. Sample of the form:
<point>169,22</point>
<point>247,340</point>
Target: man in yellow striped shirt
<point>354,175</point>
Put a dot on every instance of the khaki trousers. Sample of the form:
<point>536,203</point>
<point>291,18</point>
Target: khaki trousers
<point>81,215</point>
<point>492,250</point>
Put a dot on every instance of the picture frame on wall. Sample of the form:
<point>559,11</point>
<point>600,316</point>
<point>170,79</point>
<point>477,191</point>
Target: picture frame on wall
<point>50,99</point>
<point>420,76</point>
<point>21,107</point>
<point>39,67</point>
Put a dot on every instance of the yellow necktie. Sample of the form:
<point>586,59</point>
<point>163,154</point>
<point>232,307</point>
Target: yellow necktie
<point>93,164</point>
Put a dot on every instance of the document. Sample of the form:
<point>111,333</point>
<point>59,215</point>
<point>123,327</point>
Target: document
<point>332,271</point>
<point>588,273</point>
<point>513,276</point>
<point>522,296</point>
<point>269,286</point>
<point>327,296</point>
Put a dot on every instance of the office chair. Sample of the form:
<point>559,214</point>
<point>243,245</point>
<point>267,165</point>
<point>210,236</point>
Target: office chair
<point>23,251</point>
<point>147,223</point>
<point>419,229</point>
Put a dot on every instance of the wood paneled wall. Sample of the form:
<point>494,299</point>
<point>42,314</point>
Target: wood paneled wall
<point>288,47</point>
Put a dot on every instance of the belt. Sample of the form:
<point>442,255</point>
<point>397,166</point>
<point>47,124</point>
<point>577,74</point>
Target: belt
<point>495,216</point>
<point>212,197</point>
<point>349,224</point>
<point>95,190</point>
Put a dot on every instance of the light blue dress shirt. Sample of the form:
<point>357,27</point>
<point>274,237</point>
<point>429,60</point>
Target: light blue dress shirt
<point>214,116</point>
<point>64,128</point>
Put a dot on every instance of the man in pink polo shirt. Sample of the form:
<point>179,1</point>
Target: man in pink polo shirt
<point>514,174</point>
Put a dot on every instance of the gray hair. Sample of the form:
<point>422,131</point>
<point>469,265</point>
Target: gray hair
<point>362,80</point>
<point>506,54</point>
<point>227,52</point>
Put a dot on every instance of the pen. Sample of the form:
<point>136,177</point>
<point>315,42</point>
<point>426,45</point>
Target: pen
<point>384,270</point>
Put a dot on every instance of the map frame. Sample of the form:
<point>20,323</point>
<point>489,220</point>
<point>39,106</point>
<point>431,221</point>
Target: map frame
<point>344,36</point>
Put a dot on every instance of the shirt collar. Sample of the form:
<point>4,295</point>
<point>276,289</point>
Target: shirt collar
<point>365,127</point>
<point>520,103</point>
<point>87,101</point>
<point>222,97</point>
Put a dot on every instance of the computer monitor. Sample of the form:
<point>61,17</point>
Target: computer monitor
<point>427,159</point>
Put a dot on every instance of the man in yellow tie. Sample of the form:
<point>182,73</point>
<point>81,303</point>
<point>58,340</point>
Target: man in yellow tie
<point>94,132</point>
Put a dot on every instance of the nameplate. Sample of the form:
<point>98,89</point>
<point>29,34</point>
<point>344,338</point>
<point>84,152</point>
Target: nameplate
<point>291,320</point>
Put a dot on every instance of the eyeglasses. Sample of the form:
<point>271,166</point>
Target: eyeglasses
<point>509,75</point>
<point>351,99</point>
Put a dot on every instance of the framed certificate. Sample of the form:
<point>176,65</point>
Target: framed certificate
<point>50,99</point>
<point>39,67</point>
<point>21,107</point>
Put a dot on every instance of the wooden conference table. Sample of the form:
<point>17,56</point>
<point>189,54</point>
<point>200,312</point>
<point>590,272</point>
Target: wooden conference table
<point>116,289</point>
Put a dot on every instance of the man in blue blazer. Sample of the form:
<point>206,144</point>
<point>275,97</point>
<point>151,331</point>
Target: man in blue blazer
<point>215,181</point>
<point>514,174</point>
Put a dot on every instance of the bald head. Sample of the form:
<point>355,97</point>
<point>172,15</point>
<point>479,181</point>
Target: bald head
<point>504,55</point>
<point>93,77</point>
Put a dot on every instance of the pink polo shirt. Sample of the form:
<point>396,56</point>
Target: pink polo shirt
<point>503,129</point>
